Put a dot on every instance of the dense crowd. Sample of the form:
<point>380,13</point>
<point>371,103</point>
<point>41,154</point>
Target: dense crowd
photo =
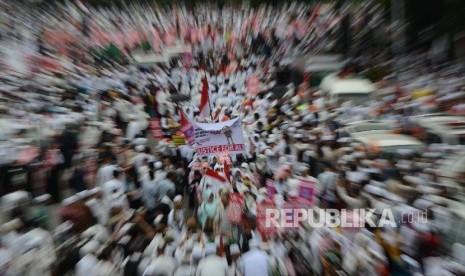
<point>142,204</point>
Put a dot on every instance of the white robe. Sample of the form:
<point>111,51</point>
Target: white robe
<point>86,266</point>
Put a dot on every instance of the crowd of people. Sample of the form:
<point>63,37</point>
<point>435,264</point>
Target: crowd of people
<point>142,204</point>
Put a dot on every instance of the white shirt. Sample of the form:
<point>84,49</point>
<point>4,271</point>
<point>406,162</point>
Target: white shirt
<point>104,174</point>
<point>162,265</point>
<point>132,130</point>
<point>255,263</point>
<point>86,266</point>
<point>212,265</point>
<point>110,186</point>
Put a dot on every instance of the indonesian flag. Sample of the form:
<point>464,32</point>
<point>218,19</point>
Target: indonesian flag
<point>184,121</point>
<point>204,101</point>
<point>212,181</point>
<point>187,128</point>
<point>227,173</point>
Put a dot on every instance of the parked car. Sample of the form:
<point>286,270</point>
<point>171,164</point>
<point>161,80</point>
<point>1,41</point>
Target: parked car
<point>337,90</point>
<point>387,144</point>
<point>372,126</point>
<point>440,128</point>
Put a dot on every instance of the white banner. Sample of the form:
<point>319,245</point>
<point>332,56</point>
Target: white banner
<point>211,139</point>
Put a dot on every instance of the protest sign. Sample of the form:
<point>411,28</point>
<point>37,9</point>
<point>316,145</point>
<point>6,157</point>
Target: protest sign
<point>252,85</point>
<point>307,190</point>
<point>155,128</point>
<point>224,158</point>
<point>178,140</point>
<point>270,188</point>
<point>212,139</point>
<point>235,207</point>
<point>261,218</point>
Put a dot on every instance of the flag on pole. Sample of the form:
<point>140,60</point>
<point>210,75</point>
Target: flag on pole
<point>204,108</point>
<point>184,121</point>
<point>227,173</point>
<point>187,128</point>
<point>215,176</point>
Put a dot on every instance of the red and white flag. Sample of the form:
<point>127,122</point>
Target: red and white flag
<point>187,128</point>
<point>205,100</point>
<point>213,178</point>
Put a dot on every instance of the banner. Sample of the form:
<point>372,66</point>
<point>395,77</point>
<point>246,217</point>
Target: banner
<point>235,208</point>
<point>307,190</point>
<point>261,218</point>
<point>252,85</point>
<point>212,139</point>
<point>155,128</point>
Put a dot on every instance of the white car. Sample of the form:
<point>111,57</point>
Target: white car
<point>371,126</point>
<point>387,143</point>
<point>441,128</point>
<point>339,90</point>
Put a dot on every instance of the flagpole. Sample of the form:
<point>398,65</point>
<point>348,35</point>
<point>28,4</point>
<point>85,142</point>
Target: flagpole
<point>209,104</point>
<point>208,91</point>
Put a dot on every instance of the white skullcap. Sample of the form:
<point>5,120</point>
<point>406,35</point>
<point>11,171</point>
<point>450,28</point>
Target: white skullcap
<point>344,140</point>
<point>95,191</point>
<point>83,194</point>
<point>291,129</point>
<point>177,198</point>
<point>374,190</point>
<point>394,198</point>
<point>70,200</point>
<point>270,140</point>
<point>42,198</point>
<point>197,252</point>
<point>140,148</point>
<point>282,160</point>
<point>293,193</point>
<point>346,149</point>
<point>90,247</point>
<point>422,204</point>
<point>327,138</point>
<point>309,153</point>
<point>234,249</point>
<point>269,153</point>
<point>254,243</point>
<point>158,219</point>
<point>262,191</point>
<point>140,141</point>
<point>158,165</point>
<point>210,249</point>
<point>245,166</point>
<point>166,200</point>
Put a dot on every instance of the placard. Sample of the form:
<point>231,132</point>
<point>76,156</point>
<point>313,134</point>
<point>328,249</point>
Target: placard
<point>307,190</point>
<point>252,85</point>
<point>235,208</point>
<point>224,158</point>
<point>261,218</point>
<point>155,128</point>
<point>178,140</point>
<point>212,139</point>
<point>270,189</point>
